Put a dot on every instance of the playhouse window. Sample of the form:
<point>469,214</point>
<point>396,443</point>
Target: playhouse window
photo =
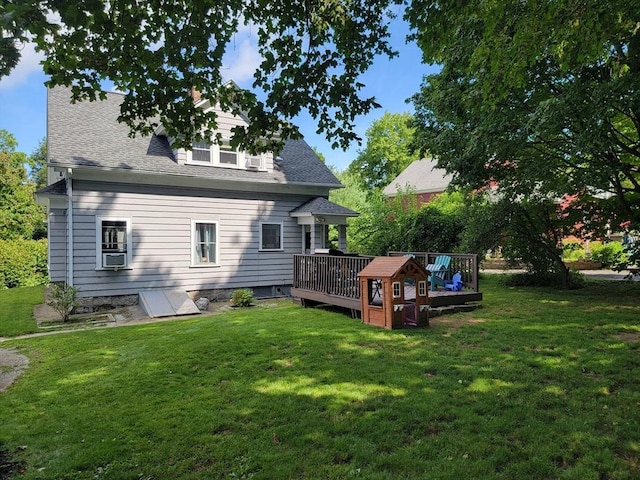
<point>396,290</point>
<point>422,288</point>
<point>374,291</point>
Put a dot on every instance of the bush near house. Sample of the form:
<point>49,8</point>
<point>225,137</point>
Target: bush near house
<point>23,263</point>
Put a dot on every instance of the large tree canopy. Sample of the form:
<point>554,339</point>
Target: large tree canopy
<point>387,151</point>
<point>542,98</point>
<point>155,51</point>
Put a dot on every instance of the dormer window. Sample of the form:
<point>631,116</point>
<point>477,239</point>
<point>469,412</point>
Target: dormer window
<point>223,155</point>
<point>201,152</point>
<point>228,155</point>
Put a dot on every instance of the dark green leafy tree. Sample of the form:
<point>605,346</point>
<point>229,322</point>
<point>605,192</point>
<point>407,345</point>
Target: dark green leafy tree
<point>20,216</point>
<point>313,53</point>
<point>539,99</point>
<point>351,196</point>
<point>38,165</point>
<point>387,151</point>
<point>400,224</point>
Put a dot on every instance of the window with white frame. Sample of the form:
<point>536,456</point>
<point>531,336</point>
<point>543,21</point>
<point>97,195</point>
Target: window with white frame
<point>224,155</point>
<point>396,290</point>
<point>228,155</point>
<point>113,243</point>
<point>422,288</point>
<point>204,243</point>
<point>201,152</point>
<point>271,236</point>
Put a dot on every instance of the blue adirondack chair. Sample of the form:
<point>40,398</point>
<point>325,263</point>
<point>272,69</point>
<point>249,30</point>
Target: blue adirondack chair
<point>455,284</point>
<point>438,271</point>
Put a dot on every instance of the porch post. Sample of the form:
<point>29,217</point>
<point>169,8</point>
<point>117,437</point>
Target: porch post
<point>312,247</point>
<point>342,238</point>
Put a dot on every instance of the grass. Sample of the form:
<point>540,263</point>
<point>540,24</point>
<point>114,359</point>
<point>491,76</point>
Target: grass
<point>16,310</point>
<point>537,384</point>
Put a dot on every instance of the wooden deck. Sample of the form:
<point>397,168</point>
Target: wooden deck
<point>333,280</point>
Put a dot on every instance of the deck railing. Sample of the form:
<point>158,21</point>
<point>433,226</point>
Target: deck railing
<point>333,275</point>
<point>465,263</point>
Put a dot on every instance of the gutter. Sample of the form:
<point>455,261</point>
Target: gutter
<point>69,227</point>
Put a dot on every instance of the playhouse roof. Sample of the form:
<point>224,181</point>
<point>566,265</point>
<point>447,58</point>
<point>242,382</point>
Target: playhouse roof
<point>388,267</point>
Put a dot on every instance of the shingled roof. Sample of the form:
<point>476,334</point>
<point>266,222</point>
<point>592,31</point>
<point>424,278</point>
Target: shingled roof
<point>422,176</point>
<point>87,134</point>
<point>322,206</point>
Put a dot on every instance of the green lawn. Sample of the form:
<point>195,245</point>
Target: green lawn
<point>16,310</point>
<point>536,385</point>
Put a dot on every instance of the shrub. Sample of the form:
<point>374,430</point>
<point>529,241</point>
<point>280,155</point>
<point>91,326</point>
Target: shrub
<point>242,297</point>
<point>23,263</point>
<point>63,299</point>
<point>573,250</point>
<point>609,254</point>
<point>545,279</point>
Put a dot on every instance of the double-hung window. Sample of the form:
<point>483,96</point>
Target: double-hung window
<point>113,243</point>
<point>204,243</point>
<point>201,152</point>
<point>271,236</point>
<point>228,156</point>
<point>223,155</point>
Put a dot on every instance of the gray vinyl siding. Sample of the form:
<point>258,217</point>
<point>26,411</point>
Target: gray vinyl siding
<point>161,227</point>
<point>57,245</point>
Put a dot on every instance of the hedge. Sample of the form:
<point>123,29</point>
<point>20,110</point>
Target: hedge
<point>23,263</point>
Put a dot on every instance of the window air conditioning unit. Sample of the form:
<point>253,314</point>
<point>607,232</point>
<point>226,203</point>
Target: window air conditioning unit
<point>114,260</point>
<point>254,162</point>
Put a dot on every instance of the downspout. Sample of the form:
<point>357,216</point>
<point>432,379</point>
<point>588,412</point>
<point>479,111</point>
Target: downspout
<point>69,227</point>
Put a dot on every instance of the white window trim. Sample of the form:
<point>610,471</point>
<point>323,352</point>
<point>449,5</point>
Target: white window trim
<point>99,221</point>
<point>214,154</point>
<point>193,263</point>
<point>281,249</point>
<point>422,288</point>
<point>214,159</point>
<point>396,287</point>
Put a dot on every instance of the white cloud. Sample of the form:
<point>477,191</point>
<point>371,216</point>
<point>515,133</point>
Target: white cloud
<point>29,64</point>
<point>242,61</point>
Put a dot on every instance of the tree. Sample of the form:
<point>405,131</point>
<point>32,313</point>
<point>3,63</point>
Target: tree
<point>313,53</point>
<point>387,152</point>
<point>19,214</point>
<point>38,165</point>
<point>541,99</point>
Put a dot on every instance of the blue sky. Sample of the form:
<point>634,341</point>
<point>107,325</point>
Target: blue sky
<point>23,95</point>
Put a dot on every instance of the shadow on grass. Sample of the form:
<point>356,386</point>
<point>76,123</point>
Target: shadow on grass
<point>289,393</point>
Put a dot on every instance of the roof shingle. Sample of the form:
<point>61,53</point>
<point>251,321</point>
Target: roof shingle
<point>87,134</point>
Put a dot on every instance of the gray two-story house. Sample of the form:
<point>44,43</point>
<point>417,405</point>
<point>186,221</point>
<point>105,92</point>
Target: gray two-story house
<point>132,214</point>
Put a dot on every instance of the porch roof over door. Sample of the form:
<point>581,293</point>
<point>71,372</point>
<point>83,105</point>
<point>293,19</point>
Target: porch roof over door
<point>321,210</point>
